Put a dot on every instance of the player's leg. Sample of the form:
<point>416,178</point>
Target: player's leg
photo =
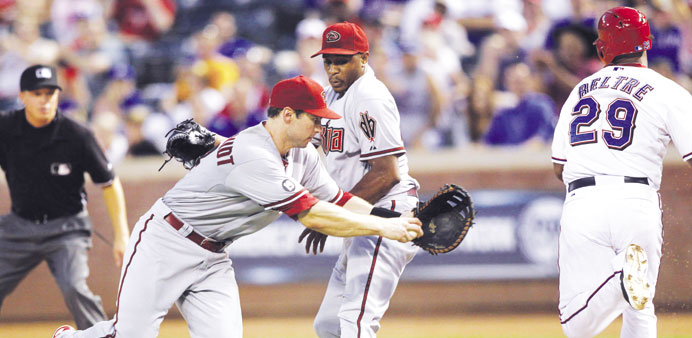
<point>100,329</point>
<point>67,258</point>
<point>160,264</point>
<point>589,282</point>
<point>157,269</point>
<point>327,324</point>
<point>211,306</point>
<point>372,275</point>
<point>642,226</point>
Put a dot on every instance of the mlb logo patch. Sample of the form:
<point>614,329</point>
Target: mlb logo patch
<point>43,73</point>
<point>60,169</point>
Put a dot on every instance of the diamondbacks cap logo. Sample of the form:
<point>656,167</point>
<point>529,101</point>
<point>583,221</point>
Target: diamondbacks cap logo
<point>332,36</point>
<point>43,73</point>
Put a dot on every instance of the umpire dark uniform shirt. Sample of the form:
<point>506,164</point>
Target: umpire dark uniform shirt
<point>45,170</point>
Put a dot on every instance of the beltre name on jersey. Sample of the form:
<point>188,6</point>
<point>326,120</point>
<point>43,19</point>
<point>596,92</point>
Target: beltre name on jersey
<point>631,86</point>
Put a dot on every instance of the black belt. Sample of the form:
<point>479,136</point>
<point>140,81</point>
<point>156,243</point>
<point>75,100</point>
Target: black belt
<point>589,181</point>
<point>39,219</point>
<point>200,240</point>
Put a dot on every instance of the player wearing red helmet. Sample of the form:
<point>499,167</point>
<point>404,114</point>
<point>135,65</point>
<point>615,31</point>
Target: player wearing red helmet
<point>608,148</point>
<point>621,31</point>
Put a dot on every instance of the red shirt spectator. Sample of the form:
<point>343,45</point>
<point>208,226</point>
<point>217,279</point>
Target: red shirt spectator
<point>144,19</point>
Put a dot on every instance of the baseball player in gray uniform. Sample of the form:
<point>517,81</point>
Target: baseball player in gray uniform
<point>365,154</point>
<point>176,254</point>
<point>45,155</point>
<point>608,149</point>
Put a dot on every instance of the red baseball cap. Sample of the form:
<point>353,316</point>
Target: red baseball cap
<point>301,93</point>
<point>344,38</point>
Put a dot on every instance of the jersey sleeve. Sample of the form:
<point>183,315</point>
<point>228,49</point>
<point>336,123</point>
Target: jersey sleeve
<point>267,183</point>
<point>679,123</point>
<point>561,134</point>
<point>318,181</point>
<point>378,129</point>
<point>97,165</point>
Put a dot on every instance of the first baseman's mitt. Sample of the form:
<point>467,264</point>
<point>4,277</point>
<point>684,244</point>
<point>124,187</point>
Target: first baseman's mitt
<point>188,143</point>
<point>446,219</point>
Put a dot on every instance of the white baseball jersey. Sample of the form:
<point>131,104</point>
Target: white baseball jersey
<point>619,121</point>
<point>243,185</point>
<point>369,129</point>
<point>368,269</point>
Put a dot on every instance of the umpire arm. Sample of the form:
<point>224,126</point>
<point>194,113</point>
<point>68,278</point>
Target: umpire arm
<point>115,203</point>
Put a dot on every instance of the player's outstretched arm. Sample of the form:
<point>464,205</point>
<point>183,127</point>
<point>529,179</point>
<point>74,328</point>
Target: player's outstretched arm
<point>317,240</point>
<point>333,220</point>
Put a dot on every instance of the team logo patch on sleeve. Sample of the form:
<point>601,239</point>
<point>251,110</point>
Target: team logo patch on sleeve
<point>288,185</point>
<point>368,125</point>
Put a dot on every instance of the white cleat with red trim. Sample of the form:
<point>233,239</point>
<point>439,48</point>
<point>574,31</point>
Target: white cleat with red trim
<point>62,330</point>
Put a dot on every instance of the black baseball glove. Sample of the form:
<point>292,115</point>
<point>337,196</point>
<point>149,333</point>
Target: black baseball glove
<point>188,143</point>
<point>446,219</point>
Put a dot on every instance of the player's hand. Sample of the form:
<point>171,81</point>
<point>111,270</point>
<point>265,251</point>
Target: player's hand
<point>119,246</point>
<point>402,229</point>
<point>314,239</point>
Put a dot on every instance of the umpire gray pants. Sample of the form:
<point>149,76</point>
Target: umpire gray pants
<point>25,244</point>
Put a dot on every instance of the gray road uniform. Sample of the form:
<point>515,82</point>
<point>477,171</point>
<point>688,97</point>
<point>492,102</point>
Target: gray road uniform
<point>177,250</point>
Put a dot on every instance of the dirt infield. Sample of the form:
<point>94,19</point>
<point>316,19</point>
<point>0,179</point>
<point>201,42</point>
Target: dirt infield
<point>490,326</point>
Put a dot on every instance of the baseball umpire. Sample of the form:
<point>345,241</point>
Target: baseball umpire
<point>44,155</point>
<point>608,149</point>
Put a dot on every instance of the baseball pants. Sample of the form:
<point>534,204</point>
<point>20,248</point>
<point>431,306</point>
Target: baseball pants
<point>66,255</point>
<point>163,268</point>
<point>597,225</point>
<point>363,281</point>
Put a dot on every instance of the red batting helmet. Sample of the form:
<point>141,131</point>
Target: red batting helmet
<point>622,30</point>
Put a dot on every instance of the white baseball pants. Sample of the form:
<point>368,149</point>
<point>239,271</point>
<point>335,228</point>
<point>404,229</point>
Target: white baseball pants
<point>597,225</point>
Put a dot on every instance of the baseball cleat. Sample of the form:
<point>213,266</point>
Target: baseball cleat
<point>635,286</point>
<point>61,330</point>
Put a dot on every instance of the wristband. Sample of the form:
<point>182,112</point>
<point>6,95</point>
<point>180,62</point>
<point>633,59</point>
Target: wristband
<point>382,212</point>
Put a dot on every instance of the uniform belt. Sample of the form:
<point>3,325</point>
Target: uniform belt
<point>589,181</point>
<point>200,240</point>
<point>39,219</point>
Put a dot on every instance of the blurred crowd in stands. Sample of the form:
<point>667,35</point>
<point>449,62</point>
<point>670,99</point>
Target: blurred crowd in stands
<point>492,72</point>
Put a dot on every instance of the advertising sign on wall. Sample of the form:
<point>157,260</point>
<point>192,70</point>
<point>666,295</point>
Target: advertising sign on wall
<point>514,237</point>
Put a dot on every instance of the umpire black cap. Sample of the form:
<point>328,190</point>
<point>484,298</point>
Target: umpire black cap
<point>38,76</point>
